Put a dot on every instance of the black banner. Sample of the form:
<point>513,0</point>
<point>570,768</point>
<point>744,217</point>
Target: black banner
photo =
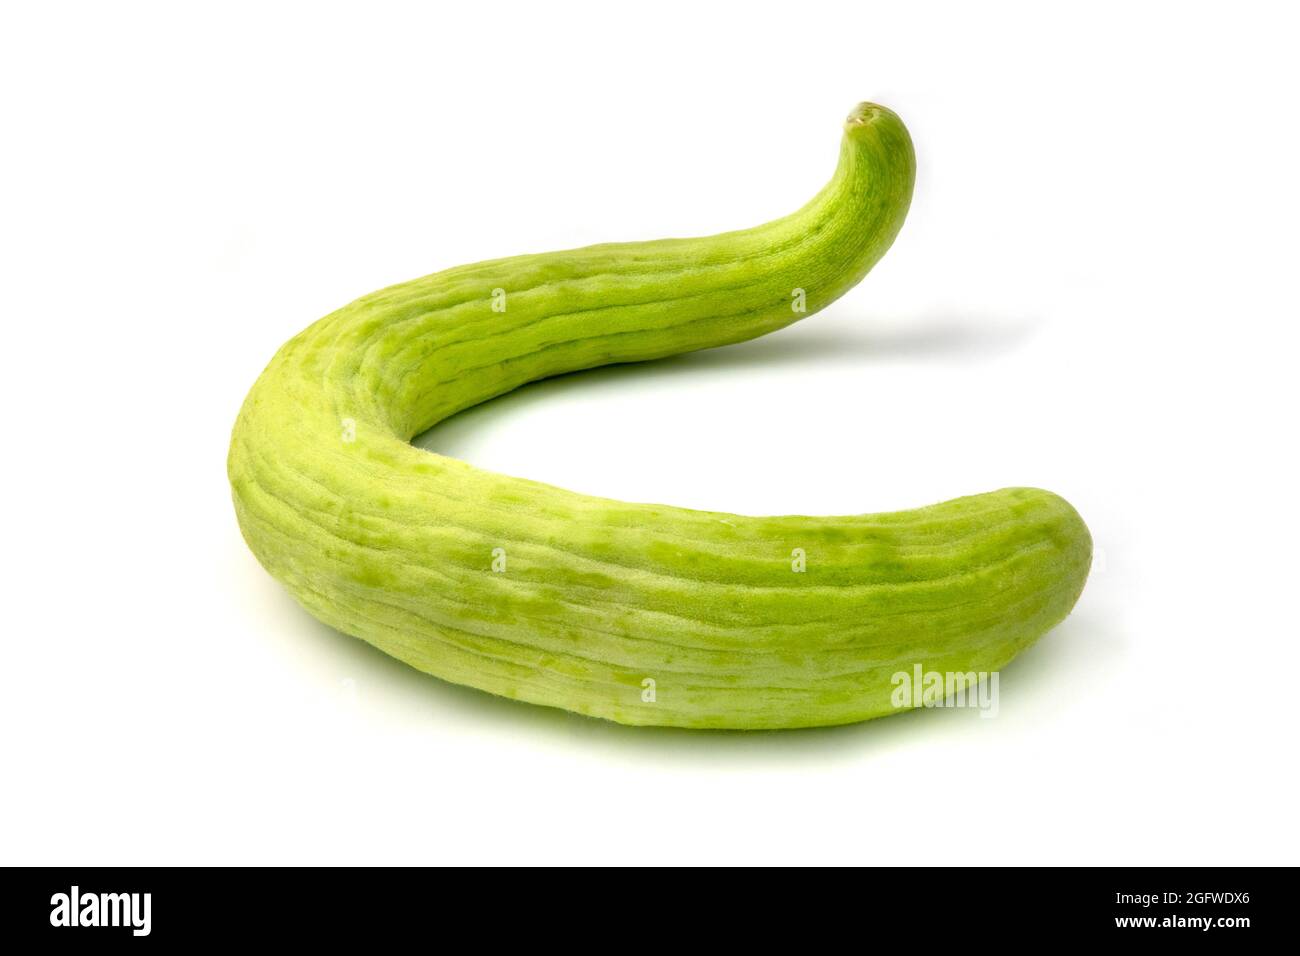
<point>136,906</point>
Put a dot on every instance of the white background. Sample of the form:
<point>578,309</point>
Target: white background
<point>1095,293</point>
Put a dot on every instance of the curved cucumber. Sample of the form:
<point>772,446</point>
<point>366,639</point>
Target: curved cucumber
<point>643,614</point>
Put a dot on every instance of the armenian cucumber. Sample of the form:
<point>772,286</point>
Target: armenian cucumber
<point>639,613</point>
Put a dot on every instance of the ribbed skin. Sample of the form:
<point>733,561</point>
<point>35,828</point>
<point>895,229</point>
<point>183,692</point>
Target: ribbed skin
<point>404,548</point>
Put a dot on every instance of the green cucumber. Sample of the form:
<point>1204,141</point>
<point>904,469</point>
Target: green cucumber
<point>642,614</point>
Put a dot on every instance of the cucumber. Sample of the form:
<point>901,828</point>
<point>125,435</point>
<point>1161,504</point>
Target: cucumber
<point>638,613</point>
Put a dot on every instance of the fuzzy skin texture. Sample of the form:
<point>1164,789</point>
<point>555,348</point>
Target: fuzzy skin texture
<point>395,545</point>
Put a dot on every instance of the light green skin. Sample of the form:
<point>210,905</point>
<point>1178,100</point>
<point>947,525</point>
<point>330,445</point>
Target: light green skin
<point>395,545</point>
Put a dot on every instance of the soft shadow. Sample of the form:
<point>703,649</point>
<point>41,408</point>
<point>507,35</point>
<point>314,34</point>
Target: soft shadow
<point>933,338</point>
<point>1065,667</point>
<point>863,341</point>
<point>387,685</point>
